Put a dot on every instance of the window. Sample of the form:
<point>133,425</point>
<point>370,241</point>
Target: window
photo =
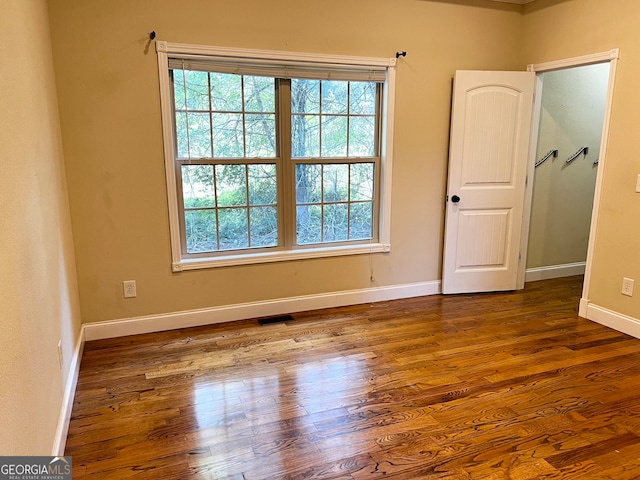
<point>225,146</point>
<point>273,156</point>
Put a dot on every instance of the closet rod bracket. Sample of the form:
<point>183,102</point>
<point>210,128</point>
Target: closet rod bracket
<point>583,150</point>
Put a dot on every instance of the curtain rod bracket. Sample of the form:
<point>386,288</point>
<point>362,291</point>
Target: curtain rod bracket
<point>152,35</point>
<point>401,54</point>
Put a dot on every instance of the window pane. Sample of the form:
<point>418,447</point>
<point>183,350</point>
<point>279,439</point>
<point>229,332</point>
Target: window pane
<point>309,224</point>
<point>199,135</point>
<point>305,96</point>
<point>259,94</point>
<point>233,228</point>
<point>261,135</point>
<point>228,140</point>
<point>197,186</point>
<point>181,135</point>
<point>335,182</point>
<point>361,180</point>
<point>305,136</point>
<point>262,184</point>
<point>334,96</point>
<point>231,185</point>
<point>178,90</point>
<point>335,222</point>
<point>334,136</point>
<point>200,226</point>
<point>226,92</point>
<point>196,86</point>
<point>361,221</point>
<point>308,183</point>
<point>362,98</point>
<point>362,136</point>
<point>264,226</point>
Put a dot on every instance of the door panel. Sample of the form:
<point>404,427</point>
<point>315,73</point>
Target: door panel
<point>490,132</point>
<point>489,249</point>
<point>489,144</point>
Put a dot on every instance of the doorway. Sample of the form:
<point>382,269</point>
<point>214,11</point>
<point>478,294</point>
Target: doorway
<point>541,235</point>
<point>567,160</point>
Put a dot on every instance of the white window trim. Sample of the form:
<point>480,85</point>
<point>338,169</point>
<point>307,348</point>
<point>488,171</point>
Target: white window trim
<point>178,263</point>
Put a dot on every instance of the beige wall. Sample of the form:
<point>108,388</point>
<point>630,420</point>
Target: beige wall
<point>108,92</point>
<point>561,29</point>
<point>38,293</point>
<point>573,107</point>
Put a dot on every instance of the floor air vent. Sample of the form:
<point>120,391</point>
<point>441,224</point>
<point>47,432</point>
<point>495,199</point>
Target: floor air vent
<point>278,319</point>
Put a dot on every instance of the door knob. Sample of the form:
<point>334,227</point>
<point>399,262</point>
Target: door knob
<point>455,199</point>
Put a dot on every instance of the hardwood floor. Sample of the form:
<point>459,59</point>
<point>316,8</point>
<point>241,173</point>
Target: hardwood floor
<point>484,386</point>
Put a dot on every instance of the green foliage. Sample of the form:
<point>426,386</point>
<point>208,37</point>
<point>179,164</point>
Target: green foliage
<point>335,202</point>
<point>201,231</point>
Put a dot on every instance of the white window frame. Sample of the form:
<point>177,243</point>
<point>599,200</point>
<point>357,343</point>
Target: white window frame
<point>166,50</point>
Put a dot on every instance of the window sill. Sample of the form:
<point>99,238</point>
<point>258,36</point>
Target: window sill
<point>279,256</point>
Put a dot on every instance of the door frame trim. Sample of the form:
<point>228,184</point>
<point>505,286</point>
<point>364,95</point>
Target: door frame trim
<point>611,57</point>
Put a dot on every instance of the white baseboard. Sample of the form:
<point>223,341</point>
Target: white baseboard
<point>611,319</point>
<point>228,313</point>
<point>554,271</point>
<point>583,307</point>
<point>60,439</point>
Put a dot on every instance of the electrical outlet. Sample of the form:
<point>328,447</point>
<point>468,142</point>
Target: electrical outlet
<point>627,286</point>
<point>129,289</point>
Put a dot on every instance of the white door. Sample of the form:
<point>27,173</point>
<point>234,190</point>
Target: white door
<point>490,134</point>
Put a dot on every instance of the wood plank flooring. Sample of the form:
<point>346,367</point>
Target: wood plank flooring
<point>483,386</point>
